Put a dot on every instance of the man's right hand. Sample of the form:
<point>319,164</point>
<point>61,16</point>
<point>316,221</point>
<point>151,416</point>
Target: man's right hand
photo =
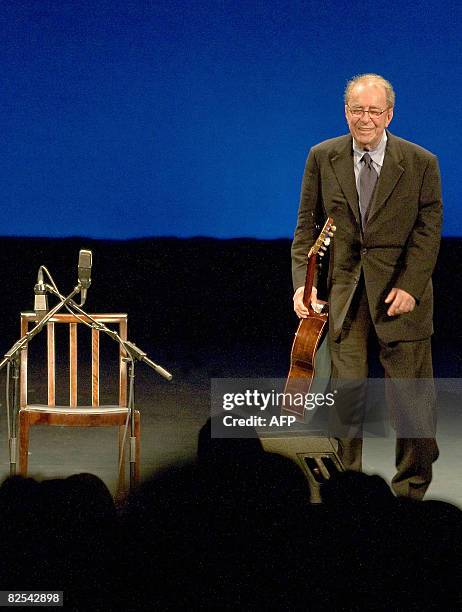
<point>300,309</point>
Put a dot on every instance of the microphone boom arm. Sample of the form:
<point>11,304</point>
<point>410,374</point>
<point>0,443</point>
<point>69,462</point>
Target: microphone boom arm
<point>130,347</point>
<point>19,344</point>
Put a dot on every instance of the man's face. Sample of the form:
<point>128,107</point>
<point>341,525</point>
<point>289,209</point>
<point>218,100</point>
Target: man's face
<point>367,130</point>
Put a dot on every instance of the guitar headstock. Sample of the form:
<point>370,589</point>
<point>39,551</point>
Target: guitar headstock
<point>323,240</point>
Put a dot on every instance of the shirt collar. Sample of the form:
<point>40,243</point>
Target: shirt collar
<point>377,154</point>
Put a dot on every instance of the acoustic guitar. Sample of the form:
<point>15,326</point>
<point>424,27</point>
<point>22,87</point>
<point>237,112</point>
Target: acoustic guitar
<point>308,336</point>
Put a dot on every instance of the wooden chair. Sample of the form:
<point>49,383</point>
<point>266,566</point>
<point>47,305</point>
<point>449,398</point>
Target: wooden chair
<point>74,415</point>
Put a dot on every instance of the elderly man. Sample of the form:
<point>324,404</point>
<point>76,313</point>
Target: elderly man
<point>384,195</point>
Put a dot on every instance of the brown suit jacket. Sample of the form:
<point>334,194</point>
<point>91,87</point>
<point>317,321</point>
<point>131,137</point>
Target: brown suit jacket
<point>401,240</point>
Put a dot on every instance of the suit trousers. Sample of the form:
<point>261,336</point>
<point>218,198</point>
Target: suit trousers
<point>410,396</point>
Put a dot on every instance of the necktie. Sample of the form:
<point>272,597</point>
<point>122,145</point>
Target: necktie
<point>367,181</point>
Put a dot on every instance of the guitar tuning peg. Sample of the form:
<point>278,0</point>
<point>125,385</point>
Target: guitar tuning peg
<point>331,234</point>
<point>321,253</point>
<point>333,228</point>
<point>327,240</point>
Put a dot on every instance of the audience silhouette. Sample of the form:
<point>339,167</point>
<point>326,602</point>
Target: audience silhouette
<point>232,530</point>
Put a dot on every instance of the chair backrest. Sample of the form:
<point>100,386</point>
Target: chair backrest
<point>28,318</point>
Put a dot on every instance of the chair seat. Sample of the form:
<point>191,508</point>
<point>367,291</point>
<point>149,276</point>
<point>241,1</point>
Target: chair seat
<point>76,410</point>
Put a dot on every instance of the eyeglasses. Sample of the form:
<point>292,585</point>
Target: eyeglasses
<point>373,112</point>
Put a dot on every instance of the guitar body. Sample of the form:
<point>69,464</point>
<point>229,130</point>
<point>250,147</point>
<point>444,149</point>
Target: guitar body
<point>308,337</point>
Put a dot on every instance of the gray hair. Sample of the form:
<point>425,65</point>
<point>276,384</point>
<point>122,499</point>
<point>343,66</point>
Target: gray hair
<point>360,78</point>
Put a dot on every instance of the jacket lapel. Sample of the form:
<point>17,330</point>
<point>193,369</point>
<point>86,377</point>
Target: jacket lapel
<point>389,176</point>
<point>342,164</point>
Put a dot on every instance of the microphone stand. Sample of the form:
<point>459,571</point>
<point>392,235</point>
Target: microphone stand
<point>13,357</point>
<point>133,354</point>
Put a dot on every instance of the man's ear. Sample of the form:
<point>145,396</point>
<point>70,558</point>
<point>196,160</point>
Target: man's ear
<point>389,116</point>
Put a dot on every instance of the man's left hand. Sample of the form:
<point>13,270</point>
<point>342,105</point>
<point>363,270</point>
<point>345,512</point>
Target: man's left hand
<point>401,302</point>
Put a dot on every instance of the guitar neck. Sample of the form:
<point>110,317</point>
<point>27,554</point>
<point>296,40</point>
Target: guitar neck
<point>318,247</point>
<point>310,268</point>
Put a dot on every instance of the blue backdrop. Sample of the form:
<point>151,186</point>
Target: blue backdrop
<point>181,118</point>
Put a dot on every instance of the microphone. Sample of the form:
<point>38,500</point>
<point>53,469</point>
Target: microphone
<point>41,298</point>
<point>84,272</point>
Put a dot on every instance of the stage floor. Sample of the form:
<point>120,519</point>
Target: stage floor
<point>172,414</point>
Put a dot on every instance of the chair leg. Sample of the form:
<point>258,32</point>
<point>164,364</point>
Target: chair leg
<point>23,442</point>
<point>121,476</point>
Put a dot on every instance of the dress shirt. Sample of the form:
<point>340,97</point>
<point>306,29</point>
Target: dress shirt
<point>376,154</point>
